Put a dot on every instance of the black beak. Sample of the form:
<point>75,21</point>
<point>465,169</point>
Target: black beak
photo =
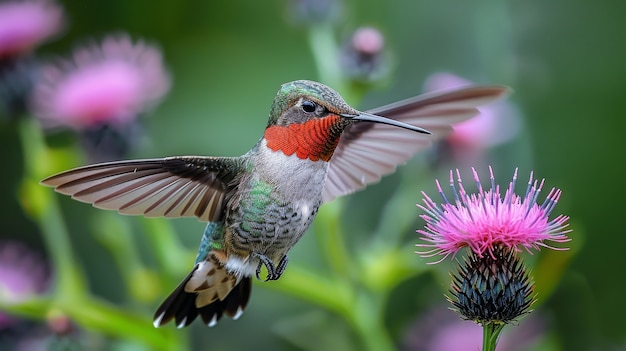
<point>366,117</point>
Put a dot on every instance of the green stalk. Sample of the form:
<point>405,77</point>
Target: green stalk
<point>360,310</point>
<point>491,332</point>
<point>166,247</point>
<point>331,240</point>
<point>367,320</point>
<point>70,295</point>
<point>42,205</point>
<point>325,54</point>
<point>335,295</point>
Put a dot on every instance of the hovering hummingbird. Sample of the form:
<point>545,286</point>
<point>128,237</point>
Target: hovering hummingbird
<point>315,148</point>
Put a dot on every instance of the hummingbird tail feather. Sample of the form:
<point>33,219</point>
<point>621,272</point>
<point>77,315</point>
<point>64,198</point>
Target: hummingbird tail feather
<point>209,291</point>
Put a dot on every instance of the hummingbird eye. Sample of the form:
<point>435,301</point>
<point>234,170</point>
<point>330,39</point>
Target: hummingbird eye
<point>309,106</point>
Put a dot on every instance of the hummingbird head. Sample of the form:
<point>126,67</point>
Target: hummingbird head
<point>307,118</point>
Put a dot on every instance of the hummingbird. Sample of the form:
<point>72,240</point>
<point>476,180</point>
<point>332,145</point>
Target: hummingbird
<point>258,205</point>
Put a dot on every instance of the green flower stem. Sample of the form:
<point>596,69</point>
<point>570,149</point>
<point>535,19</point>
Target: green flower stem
<point>367,319</point>
<point>42,205</point>
<point>362,311</point>
<point>70,295</point>
<point>491,332</point>
<point>330,239</point>
<point>166,248</point>
<point>96,315</point>
<point>108,319</point>
<point>333,294</point>
<point>114,232</point>
<point>383,271</point>
<point>325,54</point>
<point>342,295</point>
<point>332,244</point>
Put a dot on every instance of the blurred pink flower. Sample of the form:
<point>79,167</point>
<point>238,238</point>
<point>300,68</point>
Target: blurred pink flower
<point>22,275</point>
<point>440,329</point>
<point>110,83</point>
<point>25,24</point>
<point>368,40</point>
<point>497,123</point>
<point>485,220</point>
<point>363,57</point>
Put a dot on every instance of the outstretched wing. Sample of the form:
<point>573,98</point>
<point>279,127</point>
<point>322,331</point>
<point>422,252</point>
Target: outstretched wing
<point>171,187</point>
<point>368,151</point>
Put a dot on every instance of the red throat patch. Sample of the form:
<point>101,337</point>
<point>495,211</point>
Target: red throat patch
<point>315,139</point>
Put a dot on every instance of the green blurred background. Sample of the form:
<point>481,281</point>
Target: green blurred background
<point>565,60</point>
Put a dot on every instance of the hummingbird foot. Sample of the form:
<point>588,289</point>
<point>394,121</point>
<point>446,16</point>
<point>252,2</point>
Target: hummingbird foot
<point>273,272</point>
<point>281,266</point>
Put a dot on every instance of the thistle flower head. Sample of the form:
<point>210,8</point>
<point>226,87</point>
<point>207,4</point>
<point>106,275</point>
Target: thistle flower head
<point>25,24</point>
<point>487,220</point>
<point>109,83</point>
<point>493,288</point>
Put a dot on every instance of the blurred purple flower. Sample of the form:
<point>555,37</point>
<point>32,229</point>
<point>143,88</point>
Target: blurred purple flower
<point>22,275</point>
<point>106,84</point>
<point>27,23</point>
<point>497,123</point>
<point>486,220</point>
<point>368,40</point>
<point>362,56</point>
<point>440,329</point>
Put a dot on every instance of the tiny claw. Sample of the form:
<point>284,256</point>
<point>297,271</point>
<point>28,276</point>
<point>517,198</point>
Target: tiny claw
<point>258,271</point>
<point>271,270</point>
<point>281,267</point>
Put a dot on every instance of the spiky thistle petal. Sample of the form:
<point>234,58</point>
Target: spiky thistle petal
<point>486,219</point>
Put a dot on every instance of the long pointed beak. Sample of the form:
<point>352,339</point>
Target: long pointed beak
<point>366,117</point>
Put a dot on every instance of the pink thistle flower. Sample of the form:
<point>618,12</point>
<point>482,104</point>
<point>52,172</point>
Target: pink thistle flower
<point>486,220</point>
<point>110,83</point>
<point>26,24</point>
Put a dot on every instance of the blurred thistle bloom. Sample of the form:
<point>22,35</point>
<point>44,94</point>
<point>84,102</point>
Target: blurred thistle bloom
<point>26,24</point>
<point>23,25</point>
<point>101,92</point>
<point>109,83</point>
<point>362,56</point>
<point>491,287</point>
<point>497,123</point>
<point>23,274</point>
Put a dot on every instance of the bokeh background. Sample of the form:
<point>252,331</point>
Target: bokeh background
<point>565,61</point>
